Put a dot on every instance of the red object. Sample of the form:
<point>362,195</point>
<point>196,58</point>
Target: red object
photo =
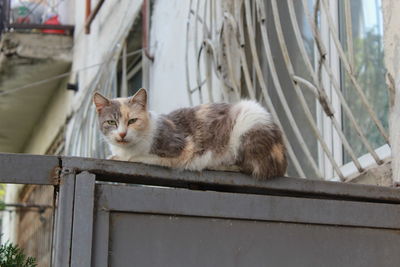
<point>53,21</point>
<point>23,20</point>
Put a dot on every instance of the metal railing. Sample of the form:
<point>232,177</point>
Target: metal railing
<point>298,59</point>
<point>38,16</point>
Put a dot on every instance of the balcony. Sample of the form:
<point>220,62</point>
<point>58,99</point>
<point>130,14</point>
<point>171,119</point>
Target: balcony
<point>36,53</point>
<point>35,16</point>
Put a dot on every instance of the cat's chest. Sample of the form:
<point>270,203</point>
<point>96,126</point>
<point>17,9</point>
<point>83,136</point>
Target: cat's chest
<point>128,153</point>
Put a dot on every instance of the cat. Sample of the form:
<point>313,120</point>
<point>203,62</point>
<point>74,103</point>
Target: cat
<point>209,136</point>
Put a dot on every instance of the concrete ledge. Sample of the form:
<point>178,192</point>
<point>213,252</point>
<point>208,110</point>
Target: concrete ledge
<point>37,45</point>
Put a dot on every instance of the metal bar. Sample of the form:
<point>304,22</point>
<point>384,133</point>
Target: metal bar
<point>82,227</point>
<point>65,27</point>
<point>3,18</point>
<point>278,87</point>
<point>124,80</point>
<point>28,206</point>
<point>7,9</point>
<point>249,207</point>
<point>336,86</point>
<point>207,59</point>
<point>251,88</point>
<point>349,32</point>
<point>298,91</point>
<point>135,70</point>
<point>88,8</point>
<point>135,173</point>
<point>198,78</point>
<point>188,87</point>
<point>92,16</point>
<point>64,217</point>
<point>18,169</point>
<point>319,91</point>
<point>145,29</point>
<point>348,69</point>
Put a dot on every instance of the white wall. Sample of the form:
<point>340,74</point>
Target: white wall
<point>10,219</point>
<point>168,88</point>
<point>107,29</point>
<point>391,43</point>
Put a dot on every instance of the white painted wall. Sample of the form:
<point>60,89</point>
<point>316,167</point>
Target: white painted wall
<point>168,88</point>
<point>52,121</point>
<point>10,219</point>
<point>391,42</point>
<point>106,32</point>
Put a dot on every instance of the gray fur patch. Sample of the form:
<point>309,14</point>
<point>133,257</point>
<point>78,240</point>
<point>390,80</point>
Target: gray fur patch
<point>168,141</point>
<point>109,112</point>
<point>211,132</point>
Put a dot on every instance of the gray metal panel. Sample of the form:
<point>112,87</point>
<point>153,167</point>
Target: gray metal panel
<point>28,169</point>
<point>82,227</point>
<point>246,206</point>
<point>100,247</point>
<point>129,172</point>
<point>63,223</point>
<point>157,240</point>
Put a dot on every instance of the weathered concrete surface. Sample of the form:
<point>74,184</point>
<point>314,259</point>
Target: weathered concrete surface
<point>380,175</point>
<point>35,45</point>
<point>391,22</point>
<point>26,58</point>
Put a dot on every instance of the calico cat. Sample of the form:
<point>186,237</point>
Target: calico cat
<point>208,136</point>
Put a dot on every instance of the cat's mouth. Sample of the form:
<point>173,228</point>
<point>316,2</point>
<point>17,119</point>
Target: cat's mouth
<point>122,142</point>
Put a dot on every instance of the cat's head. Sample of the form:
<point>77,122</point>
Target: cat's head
<point>123,121</point>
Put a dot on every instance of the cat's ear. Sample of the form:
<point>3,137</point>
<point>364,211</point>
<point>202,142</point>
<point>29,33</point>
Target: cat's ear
<point>140,98</point>
<point>100,101</point>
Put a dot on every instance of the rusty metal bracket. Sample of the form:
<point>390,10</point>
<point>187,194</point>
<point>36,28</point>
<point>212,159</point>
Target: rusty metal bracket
<point>91,15</point>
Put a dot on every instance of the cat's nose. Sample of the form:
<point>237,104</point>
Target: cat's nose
<point>122,134</point>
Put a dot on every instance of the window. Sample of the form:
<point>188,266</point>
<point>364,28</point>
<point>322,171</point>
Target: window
<point>129,68</point>
<point>323,145</point>
<point>364,49</point>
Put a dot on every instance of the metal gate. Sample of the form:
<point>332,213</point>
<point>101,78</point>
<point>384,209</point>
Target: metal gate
<point>125,214</point>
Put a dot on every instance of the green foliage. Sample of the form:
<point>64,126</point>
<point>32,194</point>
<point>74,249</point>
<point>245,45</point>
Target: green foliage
<point>369,69</point>
<point>2,191</point>
<point>13,256</point>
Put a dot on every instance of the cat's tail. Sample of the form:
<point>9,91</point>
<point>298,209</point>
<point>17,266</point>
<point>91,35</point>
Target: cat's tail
<point>263,151</point>
<point>260,147</point>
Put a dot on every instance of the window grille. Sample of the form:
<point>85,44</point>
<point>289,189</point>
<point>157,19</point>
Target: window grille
<point>312,63</point>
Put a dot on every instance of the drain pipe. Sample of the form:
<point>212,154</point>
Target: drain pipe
<point>145,29</point>
<point>147,58</point>
<point>91,15</point>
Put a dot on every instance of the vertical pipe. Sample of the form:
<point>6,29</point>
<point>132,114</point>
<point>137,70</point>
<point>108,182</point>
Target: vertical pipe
<point>88,8</point>
<point>6,8</point>
<point>124,80</point>
<point>145,29</point>
<point>146,57</point>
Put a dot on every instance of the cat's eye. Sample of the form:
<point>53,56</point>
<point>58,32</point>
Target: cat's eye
<point>131,121</point>
<point>111,122</point>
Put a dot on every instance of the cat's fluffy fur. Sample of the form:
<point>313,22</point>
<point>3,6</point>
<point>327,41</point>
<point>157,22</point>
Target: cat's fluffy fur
<point>209,136</point>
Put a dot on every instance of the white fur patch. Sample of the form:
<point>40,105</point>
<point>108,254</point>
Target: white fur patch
<point>142,144</point>
<point>200,162</point>
<point>248,114</point>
